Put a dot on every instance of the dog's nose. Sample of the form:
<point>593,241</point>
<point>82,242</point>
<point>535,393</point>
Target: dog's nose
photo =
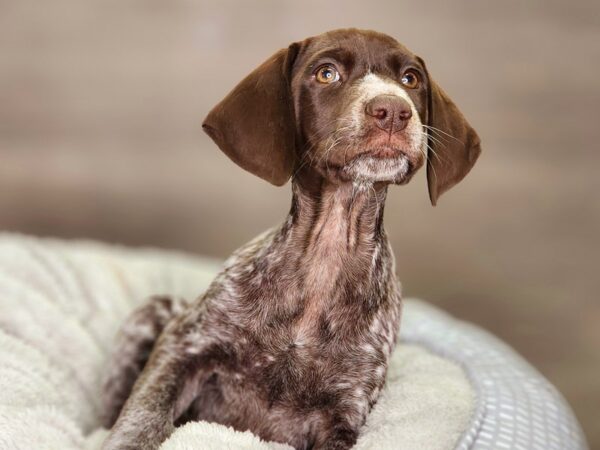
<point>390,112</point>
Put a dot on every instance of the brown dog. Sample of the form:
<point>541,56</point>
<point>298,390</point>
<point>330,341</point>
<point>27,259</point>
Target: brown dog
<point>292,339</point>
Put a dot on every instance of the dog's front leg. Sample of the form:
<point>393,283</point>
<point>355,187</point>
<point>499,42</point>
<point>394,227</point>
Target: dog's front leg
<point>164,390</point>
<point>341,438</point>
<point>340,433</point>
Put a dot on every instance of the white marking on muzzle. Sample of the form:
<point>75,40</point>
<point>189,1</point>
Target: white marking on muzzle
<point>371,169</point>
<point>371,86</point>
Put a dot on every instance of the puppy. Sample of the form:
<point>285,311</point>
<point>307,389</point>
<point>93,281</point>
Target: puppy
<point>292,339</point>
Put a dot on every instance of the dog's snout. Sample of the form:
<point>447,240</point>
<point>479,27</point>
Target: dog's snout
<point>390,112</point>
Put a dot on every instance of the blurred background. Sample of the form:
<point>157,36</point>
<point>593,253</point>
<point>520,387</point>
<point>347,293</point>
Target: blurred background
<point>100,111</point>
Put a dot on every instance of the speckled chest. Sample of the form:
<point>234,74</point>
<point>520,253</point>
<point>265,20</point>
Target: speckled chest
<point>287,393</point>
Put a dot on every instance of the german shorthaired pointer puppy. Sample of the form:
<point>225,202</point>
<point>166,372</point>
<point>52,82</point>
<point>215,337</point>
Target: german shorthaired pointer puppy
<point>292,339</point>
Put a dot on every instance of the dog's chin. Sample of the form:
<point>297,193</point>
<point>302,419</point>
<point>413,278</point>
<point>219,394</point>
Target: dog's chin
<point>371,169</point>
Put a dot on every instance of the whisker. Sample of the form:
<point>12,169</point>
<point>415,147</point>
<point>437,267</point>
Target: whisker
<point>443,132</point>
<point>439,139</point>
<point>439,144</point>
<point>344,131</point>
<point>434,153</point>
<point>375,195</point>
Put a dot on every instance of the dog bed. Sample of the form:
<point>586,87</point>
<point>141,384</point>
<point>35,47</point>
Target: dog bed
<point>450,384</point>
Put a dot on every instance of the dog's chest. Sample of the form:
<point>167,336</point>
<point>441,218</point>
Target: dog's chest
<point>318,357</point>
<point>279,390</point>
<point>312,347</point>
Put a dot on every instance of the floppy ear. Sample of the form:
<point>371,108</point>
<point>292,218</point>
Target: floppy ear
<point>254,124</point>
<point>453,144</point>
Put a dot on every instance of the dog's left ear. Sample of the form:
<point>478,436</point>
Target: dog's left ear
<point>453,144</point>
<point>254,124</point>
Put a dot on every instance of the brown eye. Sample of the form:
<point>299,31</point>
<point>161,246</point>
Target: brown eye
<point>410,79</point>
<point>327,74</point>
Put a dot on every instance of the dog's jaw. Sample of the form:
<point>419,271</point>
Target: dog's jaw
<point>367,170</point>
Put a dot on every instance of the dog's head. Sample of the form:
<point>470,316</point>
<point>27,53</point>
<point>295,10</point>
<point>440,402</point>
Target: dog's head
<point>353,106</point>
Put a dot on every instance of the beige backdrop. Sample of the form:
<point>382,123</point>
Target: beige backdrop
<point>100,111</point>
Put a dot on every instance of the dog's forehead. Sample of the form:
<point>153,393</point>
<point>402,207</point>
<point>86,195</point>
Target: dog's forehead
<point>367,47</point>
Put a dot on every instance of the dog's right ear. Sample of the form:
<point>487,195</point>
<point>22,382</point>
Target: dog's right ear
<point>254,124</point>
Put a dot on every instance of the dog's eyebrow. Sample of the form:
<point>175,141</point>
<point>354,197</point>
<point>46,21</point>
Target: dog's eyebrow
<point>397,60</point>
<point>341,55</point>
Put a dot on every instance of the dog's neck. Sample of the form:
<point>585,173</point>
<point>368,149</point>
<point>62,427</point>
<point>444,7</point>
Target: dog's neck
<point>329,263</point>
<point>334,233</point>
<point>336,219</point>
<point>334,252</point>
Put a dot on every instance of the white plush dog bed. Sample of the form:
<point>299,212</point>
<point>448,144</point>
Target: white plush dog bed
<point>450,384</point>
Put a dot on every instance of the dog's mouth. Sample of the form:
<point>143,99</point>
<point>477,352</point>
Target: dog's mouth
<point>372,159</point>
<point>381,152</point>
